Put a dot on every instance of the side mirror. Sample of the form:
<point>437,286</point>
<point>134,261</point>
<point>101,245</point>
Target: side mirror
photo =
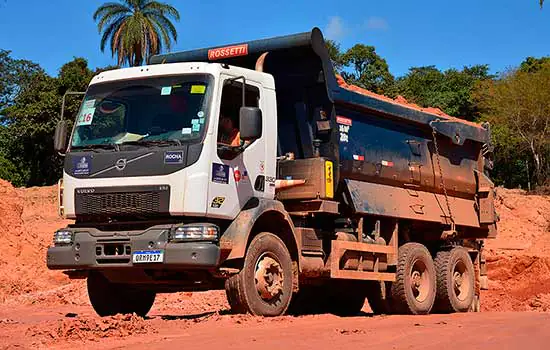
<point>60,138</point>
<point>250,123</point>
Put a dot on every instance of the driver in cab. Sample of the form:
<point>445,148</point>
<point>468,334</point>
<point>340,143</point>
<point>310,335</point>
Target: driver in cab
<point>228,134</point>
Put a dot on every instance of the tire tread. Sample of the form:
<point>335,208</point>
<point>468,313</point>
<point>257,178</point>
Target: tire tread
<point>401,303</point>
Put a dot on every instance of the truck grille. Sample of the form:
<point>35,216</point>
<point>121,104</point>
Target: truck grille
<point>122,201</point>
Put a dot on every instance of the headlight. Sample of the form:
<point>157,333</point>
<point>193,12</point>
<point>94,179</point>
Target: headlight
<point>194,232</point>
<point>63,237</point>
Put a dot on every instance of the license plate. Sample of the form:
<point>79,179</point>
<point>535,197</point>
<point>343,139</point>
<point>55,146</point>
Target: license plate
<point>148,256</point>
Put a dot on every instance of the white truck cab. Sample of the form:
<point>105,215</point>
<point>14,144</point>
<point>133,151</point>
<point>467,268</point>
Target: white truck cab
<point>215,183</point>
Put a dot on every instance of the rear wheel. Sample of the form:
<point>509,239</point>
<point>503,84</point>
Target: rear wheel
<point>455,280</point>
<point>264,286</point>
<point>414,290</point>
<point>109,299</point>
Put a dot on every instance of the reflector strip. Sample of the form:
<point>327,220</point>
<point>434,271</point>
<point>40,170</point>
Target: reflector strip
<point>329,181</point>
<point>343,120</point>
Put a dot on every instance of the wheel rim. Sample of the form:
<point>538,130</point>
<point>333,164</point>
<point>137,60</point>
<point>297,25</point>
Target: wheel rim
<point>269,278</point>
<point>420,284</point>
<point>461,281</point>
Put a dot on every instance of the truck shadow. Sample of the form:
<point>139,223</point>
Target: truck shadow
<point>209,314</point>
<point>191,317</point>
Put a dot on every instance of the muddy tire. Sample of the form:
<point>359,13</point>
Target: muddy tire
<point>109,299</point>
<point>414,290</point>
<point>455,281</point>
<point>379,297</point>
<point>264,285</point>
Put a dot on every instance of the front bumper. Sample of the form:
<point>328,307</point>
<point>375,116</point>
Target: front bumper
<point>94,249</point>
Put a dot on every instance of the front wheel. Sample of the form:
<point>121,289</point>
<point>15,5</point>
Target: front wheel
<point>264,285</point>
<point>109,299</point>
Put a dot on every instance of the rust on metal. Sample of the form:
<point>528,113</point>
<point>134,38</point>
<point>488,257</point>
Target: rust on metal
<point>340,248</point>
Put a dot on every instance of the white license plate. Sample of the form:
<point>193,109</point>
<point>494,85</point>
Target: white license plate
<point>148,256</point>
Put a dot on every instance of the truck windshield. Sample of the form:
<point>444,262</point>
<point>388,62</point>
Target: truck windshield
<point>143,111</point>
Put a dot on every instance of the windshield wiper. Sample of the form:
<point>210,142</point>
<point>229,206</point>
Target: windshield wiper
<point>97,146</point>
<point>153,142</point>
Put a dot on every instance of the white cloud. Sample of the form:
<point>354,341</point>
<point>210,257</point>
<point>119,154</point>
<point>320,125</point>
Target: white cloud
<point>335,28</point>
<point>377,23</point>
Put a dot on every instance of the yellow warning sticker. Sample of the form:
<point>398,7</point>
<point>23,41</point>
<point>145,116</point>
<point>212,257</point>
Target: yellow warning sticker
<point>198,89</point>
<point>329,180</point>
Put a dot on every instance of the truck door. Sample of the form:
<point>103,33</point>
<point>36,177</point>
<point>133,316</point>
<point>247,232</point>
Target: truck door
<point>236,177</point>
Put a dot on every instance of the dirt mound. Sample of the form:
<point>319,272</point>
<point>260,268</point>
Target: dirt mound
<point>518,260</point>
<point>28,218</point>
<point>524,225</point>
<point>89,328</point>
<point>402,101</point>
<point>517,283</point>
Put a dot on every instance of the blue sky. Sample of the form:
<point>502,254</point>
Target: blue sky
<point>407,33</point>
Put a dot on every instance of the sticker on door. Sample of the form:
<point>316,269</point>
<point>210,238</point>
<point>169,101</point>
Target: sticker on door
<point>220,173</point>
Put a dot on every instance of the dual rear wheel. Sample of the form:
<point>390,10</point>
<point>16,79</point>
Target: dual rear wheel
<point>444,284</point>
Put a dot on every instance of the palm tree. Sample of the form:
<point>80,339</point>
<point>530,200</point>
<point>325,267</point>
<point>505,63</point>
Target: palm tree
<point>136,29</point>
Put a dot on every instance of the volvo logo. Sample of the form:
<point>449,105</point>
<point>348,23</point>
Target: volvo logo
<point>120,164</point>
<point>85,190</point>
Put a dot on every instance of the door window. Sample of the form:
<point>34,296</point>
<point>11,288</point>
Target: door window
<point>231,103</point>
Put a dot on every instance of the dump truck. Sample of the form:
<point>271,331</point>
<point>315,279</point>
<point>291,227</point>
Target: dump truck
<point>328,197</point>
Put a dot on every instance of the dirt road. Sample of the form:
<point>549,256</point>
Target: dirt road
<point>71,326</point>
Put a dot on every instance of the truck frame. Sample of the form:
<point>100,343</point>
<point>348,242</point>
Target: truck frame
<point>332,196</point>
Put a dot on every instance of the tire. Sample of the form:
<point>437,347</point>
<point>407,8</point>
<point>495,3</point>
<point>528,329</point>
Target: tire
<point>379,297</point>
<point>414,289</point>
<point>455,281</point>
<point>109,299</point>
<point>264,285</point>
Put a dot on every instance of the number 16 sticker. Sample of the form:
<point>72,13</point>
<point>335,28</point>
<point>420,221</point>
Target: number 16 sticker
<point>86,116</point>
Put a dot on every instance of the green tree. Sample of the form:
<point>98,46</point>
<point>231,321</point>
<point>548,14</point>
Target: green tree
<point>451,90</point>
<point>365,68</point>
<point>136,29</point>
<point>519,102</point>
<point>27,157</point>
<point>335,54</point>
<point>532,64</point>
<point>15,75</point>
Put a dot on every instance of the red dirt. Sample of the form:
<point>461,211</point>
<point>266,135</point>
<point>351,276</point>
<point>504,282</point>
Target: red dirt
<point>42,308</point>
<point>402,101</point>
